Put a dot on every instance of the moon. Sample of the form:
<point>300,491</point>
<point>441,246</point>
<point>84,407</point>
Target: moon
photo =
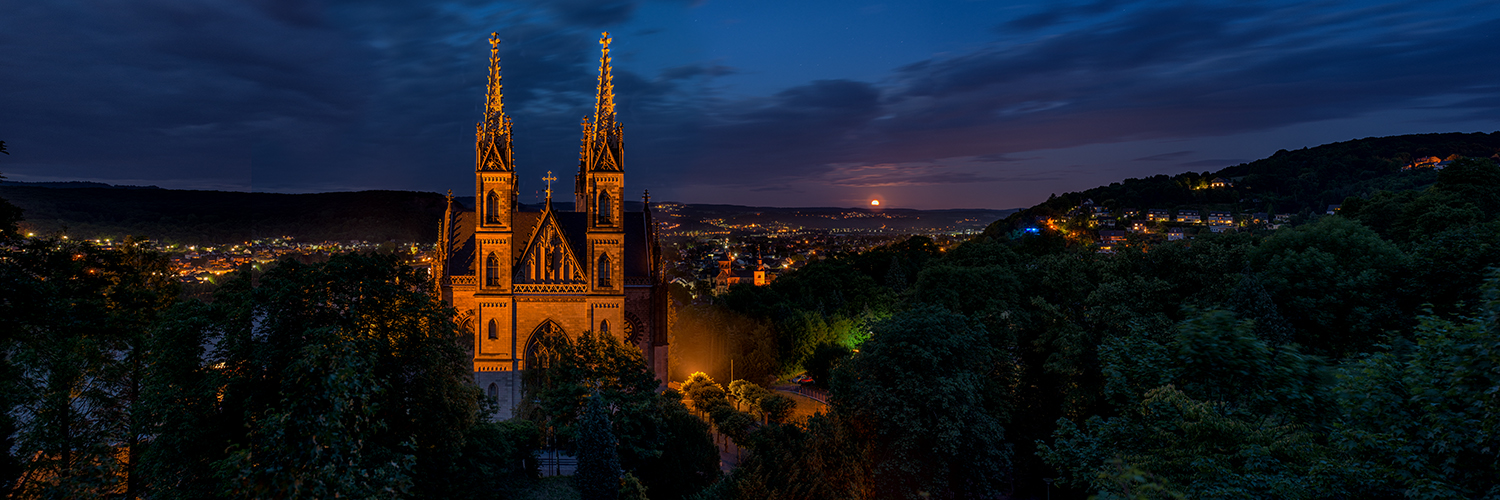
<point>874,203</point>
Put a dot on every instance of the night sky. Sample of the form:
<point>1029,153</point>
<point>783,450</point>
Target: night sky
<point>933,104</point>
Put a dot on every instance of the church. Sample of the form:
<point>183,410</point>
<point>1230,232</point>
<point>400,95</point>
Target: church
<point>517,276</point>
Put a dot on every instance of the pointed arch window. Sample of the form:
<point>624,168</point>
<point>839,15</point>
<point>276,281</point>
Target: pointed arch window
<point>492,270</point>
<point>603,328</point>
<point>603,272</point>
<point>494,330</point>
<point>492,208</point>
<point>604,209</point>
<point>493,392</point>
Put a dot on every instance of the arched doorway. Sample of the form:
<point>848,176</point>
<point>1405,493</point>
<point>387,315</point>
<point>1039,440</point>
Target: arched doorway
<point>544,349</point>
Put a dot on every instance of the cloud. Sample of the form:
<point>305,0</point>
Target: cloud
<point>1165,156</point>
<point>1055,13</point>
<point>694,70</point>
<point>889,175</point>
<point>1001,158</point>
<point>592,13</point>
<point>1124,72</point>
<point>311,95</point>
<point>1212,163</point>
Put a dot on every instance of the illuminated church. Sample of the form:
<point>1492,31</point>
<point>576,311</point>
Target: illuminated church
<point>517,276</point>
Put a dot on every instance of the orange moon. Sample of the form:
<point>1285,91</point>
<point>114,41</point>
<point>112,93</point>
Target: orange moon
<point>874,203</point>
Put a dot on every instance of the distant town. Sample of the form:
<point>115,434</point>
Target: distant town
<point>707,246</point>
<point>711,247</point>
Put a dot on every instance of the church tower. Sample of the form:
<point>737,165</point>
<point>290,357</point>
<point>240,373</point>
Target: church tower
<point>494,184</point>
<point>495,204</point>
<point>600,183</point>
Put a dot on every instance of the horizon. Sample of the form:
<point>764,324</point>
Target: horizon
<point>777,104</point>
<point>882,207</point>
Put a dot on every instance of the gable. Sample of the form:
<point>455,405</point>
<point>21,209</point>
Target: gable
<point>549,257</point>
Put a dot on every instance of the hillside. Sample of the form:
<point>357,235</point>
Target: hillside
<point>1305,180</point>
<point>206,217</point>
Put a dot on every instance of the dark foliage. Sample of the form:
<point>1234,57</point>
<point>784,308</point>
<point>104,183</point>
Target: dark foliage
<point>598,475</point>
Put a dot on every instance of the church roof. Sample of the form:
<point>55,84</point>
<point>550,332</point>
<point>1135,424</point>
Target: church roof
<point>637,246</point>
<point>574,226</point>
<point>461,229</point>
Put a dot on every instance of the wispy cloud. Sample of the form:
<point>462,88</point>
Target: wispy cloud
<point>1165,156</point>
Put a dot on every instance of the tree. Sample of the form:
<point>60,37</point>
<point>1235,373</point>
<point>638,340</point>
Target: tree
<point>687,462</point>
<point>825,358</point>
<point>632,488</point>
<point>341,376</point>
<point>776,408</point>
<point>598,474</point>
<point>657,439</point>
<point>821,459</point>
<point>1420,418</point>
<point>1335,281</point>
<point>917,391</point>
<point>323,440</point>
<point>76,317</point>
<point>1216,413</point>
<point>497,457</point>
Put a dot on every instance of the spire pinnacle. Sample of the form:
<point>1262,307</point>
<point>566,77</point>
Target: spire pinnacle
<point>604,108</point>
<point>494,106</point>
<point>492,134</point>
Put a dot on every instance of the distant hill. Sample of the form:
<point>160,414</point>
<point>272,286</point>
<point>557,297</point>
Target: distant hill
<point>93,210</point>
<point>72,185</point>
<point>749,220</point>
<point>207,217</point>
<point>1305,180</point>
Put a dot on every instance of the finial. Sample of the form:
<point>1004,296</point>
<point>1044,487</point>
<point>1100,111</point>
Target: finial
<point>646,198</point>
<point>495,104</point>
<point>549,178</point>
<point>450,195</point>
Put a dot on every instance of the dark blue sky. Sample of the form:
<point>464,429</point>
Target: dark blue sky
<point>933,104</point>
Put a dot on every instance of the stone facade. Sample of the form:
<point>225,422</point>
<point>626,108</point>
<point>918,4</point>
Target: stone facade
<point>517,275</point>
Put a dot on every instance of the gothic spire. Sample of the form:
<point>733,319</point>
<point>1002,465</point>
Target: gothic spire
<point>604,104</point>
<point>602,136</point>
<point>492,134</point>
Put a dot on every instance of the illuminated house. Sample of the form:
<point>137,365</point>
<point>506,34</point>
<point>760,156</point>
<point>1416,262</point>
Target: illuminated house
<point>1158,214</point>
<point>1188,217</point>
<point>1220,218</point>
<point>519,277</point>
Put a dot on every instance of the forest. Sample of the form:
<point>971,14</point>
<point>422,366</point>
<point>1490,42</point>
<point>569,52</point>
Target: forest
<point>1352,356</point>
<point>1349,356</point>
